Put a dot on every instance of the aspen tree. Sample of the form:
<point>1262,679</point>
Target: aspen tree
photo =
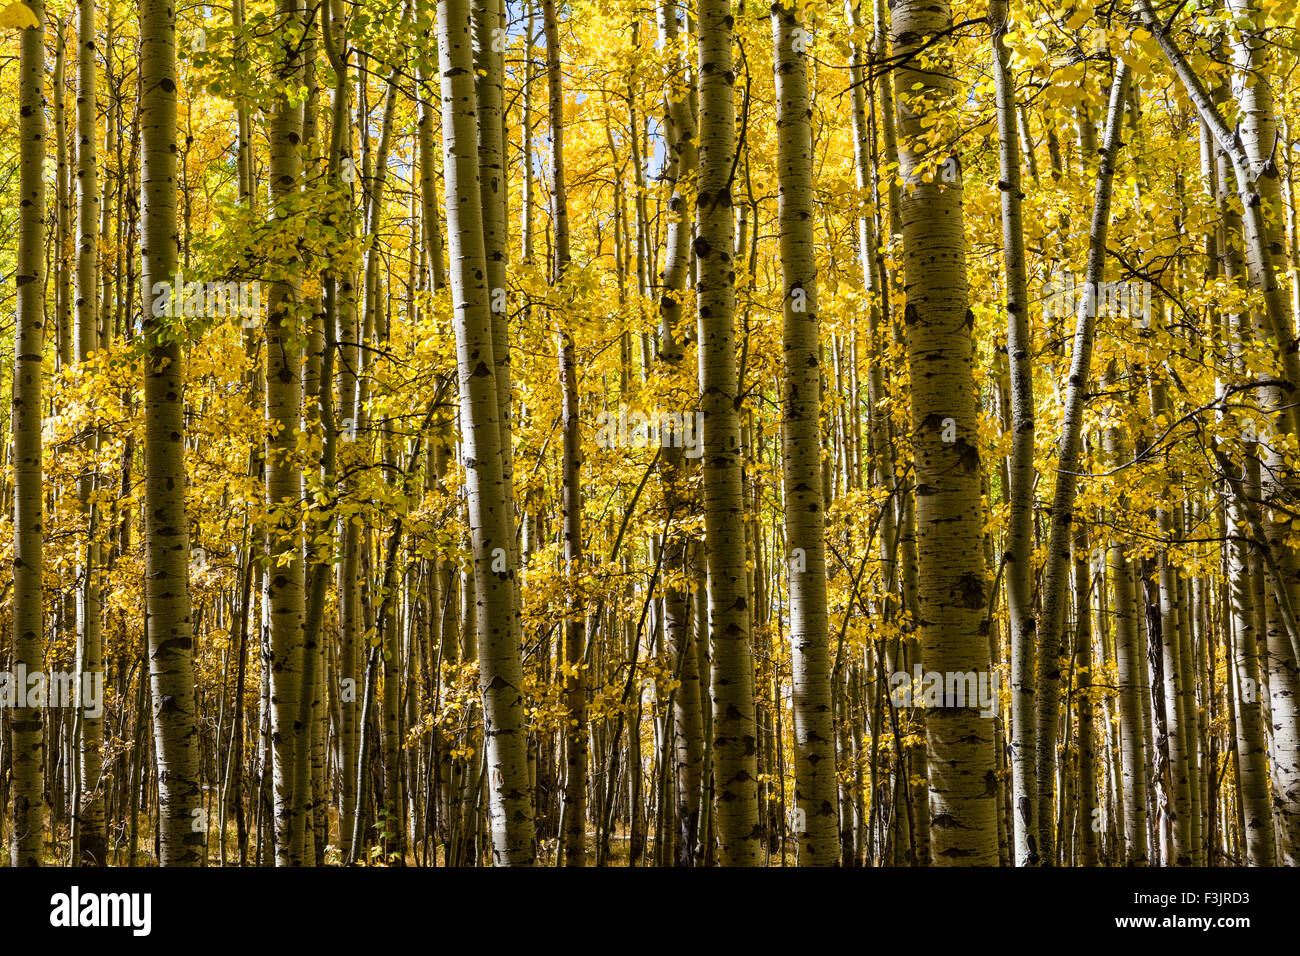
<point>167,552</point>
<point>111,199</point>
<point>735,735</point>
<point>442,578</point>
<point>318,544</point>
<point>251,379</point>
<point>919,802</point>
<point>526,237</point>
<point>1083,701</point>
<point>342,176</point>
<point>1177,660</point>
<point>62,205</point>
<point>681,162</point>
<point>1172,658</point>
<point>1258,129</point>
<point>952,585</point>
<point>574,821</point>
<point>90,649</point>
<point>804,507</point>
<point>1251,166</point>
<point>286,583</point>
<point>491,518</point>
<point>1055,572</point>
<point>880,436</point>
<point>1019,547</point>
<point>27,753</point>
<point>1129,647</point>
<point>1246,683</point>
<point>1252,769</point>
<point>489,37</point>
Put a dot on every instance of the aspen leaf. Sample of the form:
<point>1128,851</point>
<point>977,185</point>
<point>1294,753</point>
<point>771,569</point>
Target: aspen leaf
<point>19,16</point>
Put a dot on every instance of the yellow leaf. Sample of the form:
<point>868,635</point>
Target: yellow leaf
<point>18,16</point>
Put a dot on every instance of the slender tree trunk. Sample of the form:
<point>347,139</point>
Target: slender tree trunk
<point>1019,548</point>
<point>1083,697</point>
<point>801,453</point>
<point>681,162</point>
<point>286,576</point>
<point>27,753</point>
<point>167,552</point>
<point>490,506</point>
<point>90,647</point>
<point>1245,680</point>
<point>952,583</point>
<point>1068,454</point>
<point>574,821</point>
<point>62,205</point>
<point>490,37</point>
<point>735,739</point>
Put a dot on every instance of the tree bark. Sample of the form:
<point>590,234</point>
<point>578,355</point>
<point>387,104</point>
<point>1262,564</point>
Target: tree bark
<point>1056,570</point>
<point>735,740</point>
<point>1020,472</point>
<point>167,552</point>
<point>952,583</point>
<point>26,724</point>
<point>490,506</point>
<point>814,753</point>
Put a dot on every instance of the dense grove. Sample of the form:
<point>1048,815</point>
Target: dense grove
<point>509,432</point>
